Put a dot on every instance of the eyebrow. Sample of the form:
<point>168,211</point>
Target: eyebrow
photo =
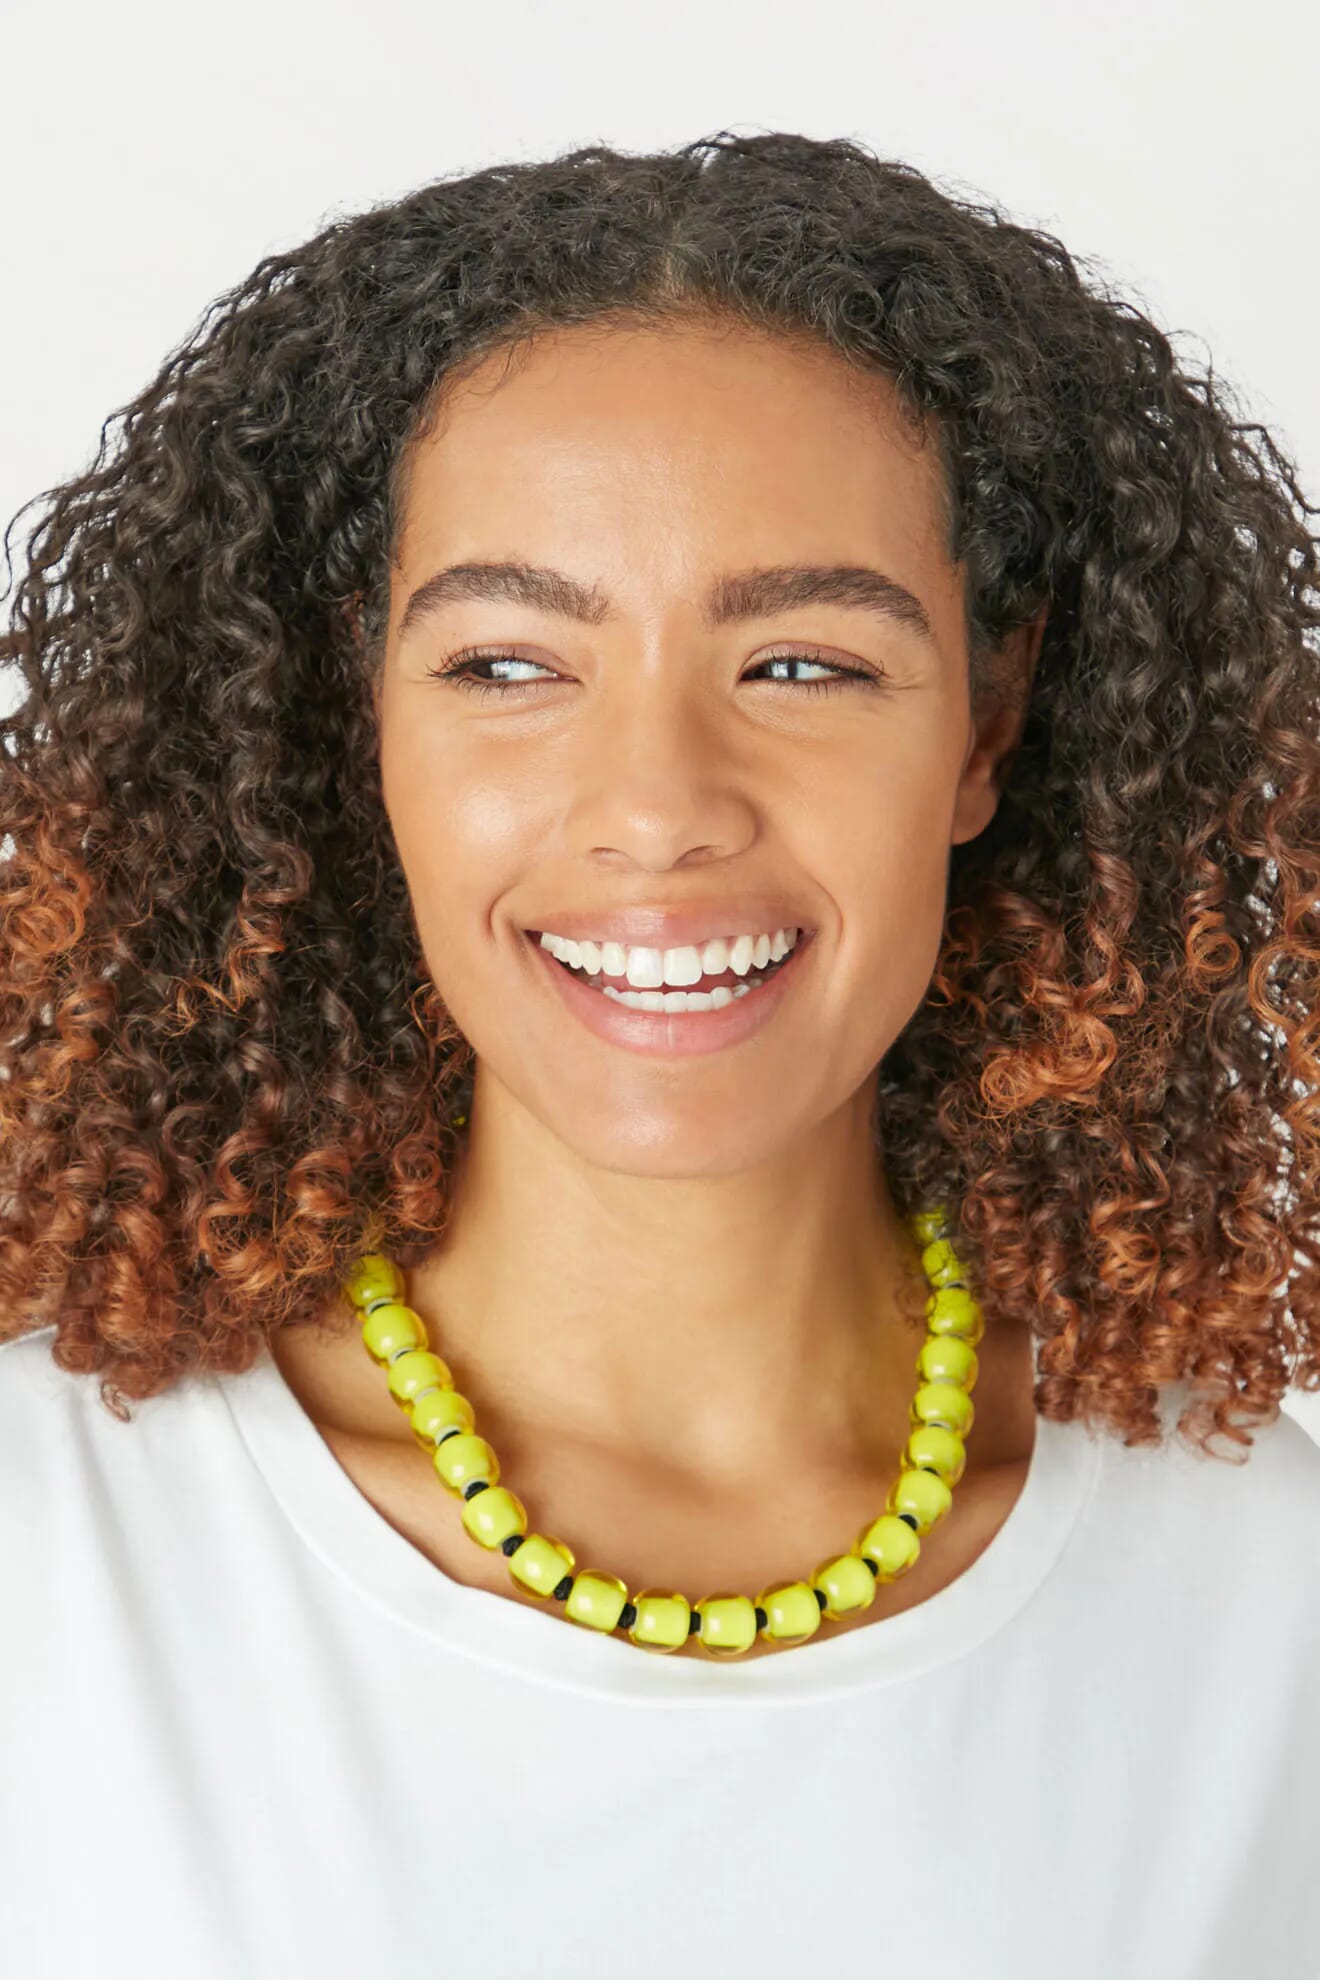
<point>735,597</point>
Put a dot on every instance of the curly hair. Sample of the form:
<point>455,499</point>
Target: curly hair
<point>224,1073</point>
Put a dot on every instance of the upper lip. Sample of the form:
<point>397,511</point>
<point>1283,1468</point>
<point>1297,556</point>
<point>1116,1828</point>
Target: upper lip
<point>672,927</point>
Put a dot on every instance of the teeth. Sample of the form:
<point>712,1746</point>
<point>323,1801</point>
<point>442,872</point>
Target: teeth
<point>681,1000</point>
<point>652,969</point>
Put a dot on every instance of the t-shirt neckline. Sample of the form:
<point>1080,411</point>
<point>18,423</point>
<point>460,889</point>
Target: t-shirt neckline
<point>383,1569</point>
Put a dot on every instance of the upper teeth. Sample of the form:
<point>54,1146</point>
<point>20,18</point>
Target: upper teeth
<point>648,969</point>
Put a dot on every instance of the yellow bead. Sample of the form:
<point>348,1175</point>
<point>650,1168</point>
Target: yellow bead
<point>941,1263</point>
<point>930,1224</point>
<point>728,1624</point>
<point>392,1329</point>
<point>952,1310</point>
<point>924,1494</point>
<point>792,1613</point>
<point>890,1542</point>
<point>847,1584</point>
<point>596,1601</point>
<point>416,1372</point>
<point>491,1516</point>
<point>462,1458</point>
<point>373,1277</point>
<point>663,1620</point>
<point>541,1563</point>
<point>949,1358</point>
<point>437,1412</point>
<point>944,1404</point>
<point>940,1451</point>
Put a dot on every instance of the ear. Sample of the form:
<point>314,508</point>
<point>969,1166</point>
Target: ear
<point>998,731</point>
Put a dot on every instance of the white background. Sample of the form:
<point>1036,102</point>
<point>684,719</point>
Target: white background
<point>154,153</point>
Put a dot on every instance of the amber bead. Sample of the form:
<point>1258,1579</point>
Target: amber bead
<point>728,1624</point>
<point>415,1372</point>
<point>847,1584</point>
<point>937,1450</point>
<point>949,1358</point>
<point>921,1493</point>
<point>792,1613</point>
<point>372,1278</point>
<point>945,1405</point>
<point>493,1516</point>
<point>460,1459</point>
<point>952,1310</point>
<point>663,1620</point>
<point>541,1563</point>
<point>392,1329</point>
<point>890,1542</point>
<point>596,1601</point>
<point>438,1412</point>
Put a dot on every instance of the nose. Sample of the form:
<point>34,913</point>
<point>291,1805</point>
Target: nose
<point>661,775</point>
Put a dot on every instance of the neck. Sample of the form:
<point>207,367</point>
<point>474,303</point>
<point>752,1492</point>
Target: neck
<point>718,1329</point>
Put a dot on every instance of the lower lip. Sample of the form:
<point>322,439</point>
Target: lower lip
<point>673,1034</point>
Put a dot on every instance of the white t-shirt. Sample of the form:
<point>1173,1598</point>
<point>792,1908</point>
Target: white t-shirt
<point>249,1732</point>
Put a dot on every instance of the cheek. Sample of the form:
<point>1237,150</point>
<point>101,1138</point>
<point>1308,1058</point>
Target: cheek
<point>462,841</point>
<point>888,875</point>
<point>452,801</point>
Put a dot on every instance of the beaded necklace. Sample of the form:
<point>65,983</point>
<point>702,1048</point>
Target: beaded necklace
<point>786,1613</point>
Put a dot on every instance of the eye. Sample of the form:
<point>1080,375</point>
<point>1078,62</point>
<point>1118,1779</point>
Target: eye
<point>458,670</point>
<point>843,676</point>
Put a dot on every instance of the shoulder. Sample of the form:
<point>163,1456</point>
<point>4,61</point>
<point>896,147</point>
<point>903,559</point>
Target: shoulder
<point>1280,1467</point>
<point>47,1412</point>
<point>1248,1520</point>
<point>31,1379</point>
<point>1282,1460</point>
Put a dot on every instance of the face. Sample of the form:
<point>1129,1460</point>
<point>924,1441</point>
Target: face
<point>652,752</point>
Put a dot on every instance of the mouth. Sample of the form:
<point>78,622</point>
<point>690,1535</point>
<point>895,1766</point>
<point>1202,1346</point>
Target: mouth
<point>666,1021</point>
<point>714,990</point>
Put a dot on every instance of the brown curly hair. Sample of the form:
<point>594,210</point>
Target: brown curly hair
<point>224,1072</point>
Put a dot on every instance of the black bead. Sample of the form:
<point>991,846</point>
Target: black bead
<point>627,1616</point>
<point>474,1486</point>
<point>821,1598</point>
<point>563,1588</point>
<point>911,1519</point>
<point>513,1543</point>
<point>871,1564</point>
<point>761,1618</point>
<point>694,1623</point>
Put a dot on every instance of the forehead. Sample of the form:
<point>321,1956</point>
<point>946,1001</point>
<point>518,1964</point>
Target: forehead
<point>698,421</point>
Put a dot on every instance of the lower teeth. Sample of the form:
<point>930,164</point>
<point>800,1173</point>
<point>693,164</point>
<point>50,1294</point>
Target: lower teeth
<point>682,1000</point>
<point>675,1000</point>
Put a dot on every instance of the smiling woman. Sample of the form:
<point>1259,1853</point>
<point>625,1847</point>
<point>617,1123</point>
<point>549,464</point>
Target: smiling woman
<point>659,1007</point>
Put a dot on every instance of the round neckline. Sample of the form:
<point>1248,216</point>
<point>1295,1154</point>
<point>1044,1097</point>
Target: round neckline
<point>357,1543</point>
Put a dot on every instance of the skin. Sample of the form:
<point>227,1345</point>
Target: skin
<point>675,1290</point>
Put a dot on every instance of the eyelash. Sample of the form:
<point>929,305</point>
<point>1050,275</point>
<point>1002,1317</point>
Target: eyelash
<point>456,668</point>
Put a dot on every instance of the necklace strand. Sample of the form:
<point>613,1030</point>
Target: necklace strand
<point>786,1613</point>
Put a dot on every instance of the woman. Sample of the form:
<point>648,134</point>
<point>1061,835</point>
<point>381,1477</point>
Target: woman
<point>660,920</point>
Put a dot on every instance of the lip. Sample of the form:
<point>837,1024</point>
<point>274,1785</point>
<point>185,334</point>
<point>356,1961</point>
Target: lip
<point>673,1034</point>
